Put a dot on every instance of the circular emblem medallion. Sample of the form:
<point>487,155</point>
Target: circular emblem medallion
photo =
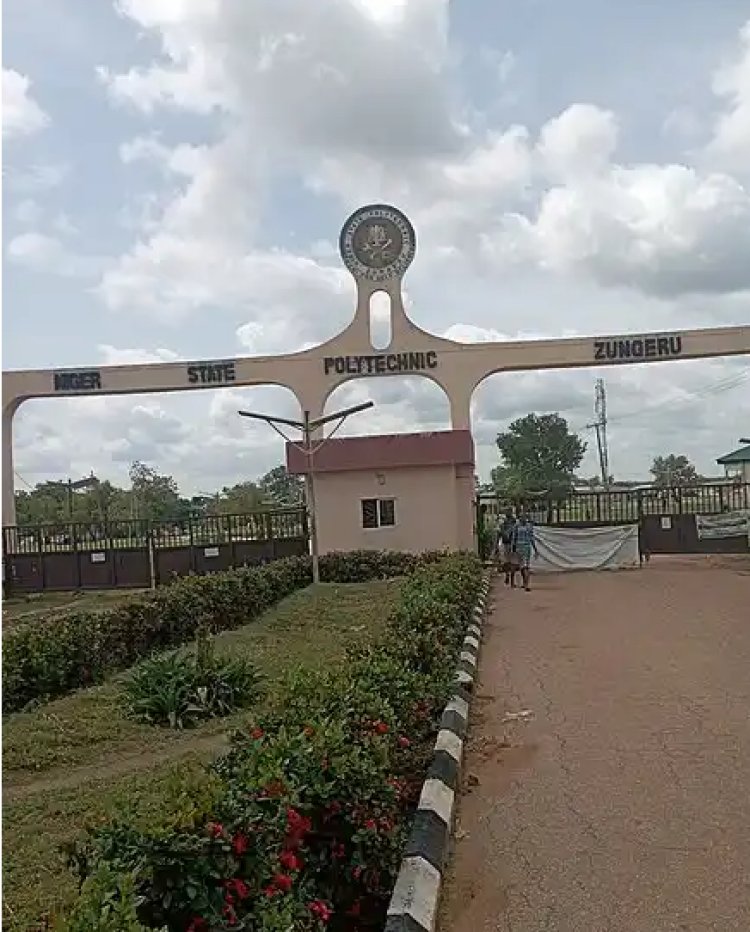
<point>377,243</point>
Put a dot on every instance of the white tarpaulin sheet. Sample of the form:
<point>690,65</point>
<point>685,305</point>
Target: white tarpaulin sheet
<point>731,524</point>
<point>596,548</point>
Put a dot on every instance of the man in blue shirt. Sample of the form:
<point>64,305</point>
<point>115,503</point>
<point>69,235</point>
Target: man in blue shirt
<point>522,544</point>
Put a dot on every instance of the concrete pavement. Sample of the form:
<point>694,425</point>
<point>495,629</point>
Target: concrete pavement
<point>623,804</point>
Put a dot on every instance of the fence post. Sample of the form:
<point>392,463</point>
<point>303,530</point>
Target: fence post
<point>151,555</point>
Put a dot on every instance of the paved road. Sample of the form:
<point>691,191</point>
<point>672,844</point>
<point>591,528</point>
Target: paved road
<point>624,804</point>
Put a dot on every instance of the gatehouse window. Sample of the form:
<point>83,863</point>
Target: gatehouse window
<point>378,512</point>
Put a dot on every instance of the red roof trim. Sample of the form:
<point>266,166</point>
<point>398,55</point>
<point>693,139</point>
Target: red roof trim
<point>387,451</point>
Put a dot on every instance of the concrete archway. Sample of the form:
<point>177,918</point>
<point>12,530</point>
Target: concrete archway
<point>377,245</point>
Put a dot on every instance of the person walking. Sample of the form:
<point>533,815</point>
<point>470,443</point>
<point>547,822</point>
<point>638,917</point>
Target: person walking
<point>505,539</point>
<point>522,544</point>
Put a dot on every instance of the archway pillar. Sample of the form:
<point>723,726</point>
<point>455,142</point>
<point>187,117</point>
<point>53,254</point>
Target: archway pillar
<point>8,484</point>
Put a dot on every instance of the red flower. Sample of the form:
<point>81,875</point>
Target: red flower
<point>334,807</point>
<point>371,825</point>
<point>380,728</point>
<point>229,914</point>
<point>386,824</point>
<point>282,882</point>
<point>216,829</point>
<point>357,872</point>
<point>298,824</point>
<point>257,733</point>
<point>270,890</point>
<point>338,851</point>
<point>290,861</point>
<point>320,909</point>
<point>237,887</point>
<point>239,844</point>
<point>404,741</point>
<point>197,924</point>
<point>309,731</point>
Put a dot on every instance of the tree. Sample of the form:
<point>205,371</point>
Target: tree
<point>154,497</point>
<point>539,454</point>
<point>674,469</point>
<point>281,488</point>
<point>237,499</point>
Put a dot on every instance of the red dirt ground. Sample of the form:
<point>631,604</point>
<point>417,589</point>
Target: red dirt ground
<point>623,804</point>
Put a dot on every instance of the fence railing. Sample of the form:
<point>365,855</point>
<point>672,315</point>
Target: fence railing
<point>631,505</point>
<point>278,524</point>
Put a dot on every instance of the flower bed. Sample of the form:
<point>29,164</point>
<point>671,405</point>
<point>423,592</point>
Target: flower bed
<point>66,652</point>
<point>302,824</point>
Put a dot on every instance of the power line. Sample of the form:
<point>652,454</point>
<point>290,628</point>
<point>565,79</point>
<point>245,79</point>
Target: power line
<point>724,384</point>
<point>27,484</point>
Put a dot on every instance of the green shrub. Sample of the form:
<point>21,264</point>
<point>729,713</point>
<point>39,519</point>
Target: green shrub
<point>66,652</point>
<point>182,688</point>
<point>309,811</point>
<point>107,903</point>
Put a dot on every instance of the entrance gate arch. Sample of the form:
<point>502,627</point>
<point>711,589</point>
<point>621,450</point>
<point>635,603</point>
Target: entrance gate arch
<point>377,245</point>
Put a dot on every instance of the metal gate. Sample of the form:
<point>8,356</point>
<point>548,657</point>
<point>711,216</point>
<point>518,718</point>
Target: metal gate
<point>140,554</point>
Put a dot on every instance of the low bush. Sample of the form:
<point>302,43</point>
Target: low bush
<point>180,689</point>
<point>66,652</point>
<point>310,809</point>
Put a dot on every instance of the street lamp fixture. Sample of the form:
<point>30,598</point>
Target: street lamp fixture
<point>308,426</point>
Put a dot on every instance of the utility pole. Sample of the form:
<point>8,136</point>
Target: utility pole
<point>308,427</point>
<point>600,426</point>
<point>87,483</point>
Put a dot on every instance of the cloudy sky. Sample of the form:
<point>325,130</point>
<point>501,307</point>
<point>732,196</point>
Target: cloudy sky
<point>177,172</point>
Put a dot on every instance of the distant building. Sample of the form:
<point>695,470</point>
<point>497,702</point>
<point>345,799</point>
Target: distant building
<point>737,464</point>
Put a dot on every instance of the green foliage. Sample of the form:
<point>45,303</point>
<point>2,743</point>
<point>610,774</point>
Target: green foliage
<point>183,688</point>
<point>280,487</point>
<point>674,470</point>
<point>243,498</point>
<point>539,454</point>
<point>311,807</point>
<point>151,497</point>
<point>54,656</point>
<point>108,903</point>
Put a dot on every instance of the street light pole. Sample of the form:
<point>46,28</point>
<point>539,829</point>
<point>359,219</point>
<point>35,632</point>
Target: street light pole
<point>308,428</point>
<point>310,494</point>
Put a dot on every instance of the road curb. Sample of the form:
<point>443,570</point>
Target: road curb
<point>414,904</point>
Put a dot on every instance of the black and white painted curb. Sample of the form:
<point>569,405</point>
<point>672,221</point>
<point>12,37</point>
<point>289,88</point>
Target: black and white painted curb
<point>414,904</point>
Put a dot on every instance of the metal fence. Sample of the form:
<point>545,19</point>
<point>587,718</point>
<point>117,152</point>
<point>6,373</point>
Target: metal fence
<point>142,553</point>
<point>623,507</point>
<point>666,516</point>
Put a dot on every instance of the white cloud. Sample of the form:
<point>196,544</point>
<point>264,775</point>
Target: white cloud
<point>22,115</point>
<point>660,229</point>
<point>522,233</point>
<point>112,356</point>
<point>38,252</point>
<point>730,144</point>
<point>579,142</point>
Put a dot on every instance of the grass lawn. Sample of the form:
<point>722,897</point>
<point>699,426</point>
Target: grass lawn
<point>38,606</point>
<point>80,755</point>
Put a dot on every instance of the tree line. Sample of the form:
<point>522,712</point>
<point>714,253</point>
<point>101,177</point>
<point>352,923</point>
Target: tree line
<point>540,455</point>
<point>152,497</point>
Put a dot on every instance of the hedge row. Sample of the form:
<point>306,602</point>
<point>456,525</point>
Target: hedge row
<point>54,656</point>
<point>303,823</point>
